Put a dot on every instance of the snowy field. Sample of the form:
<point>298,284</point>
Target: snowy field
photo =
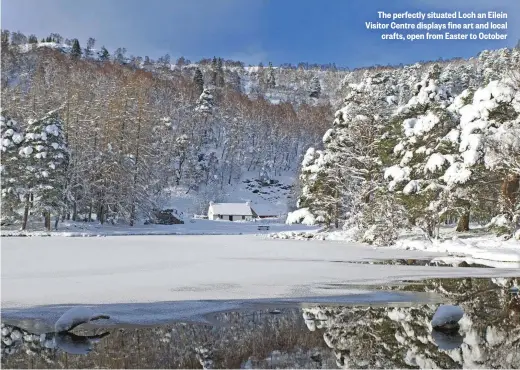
<point>132,272</point>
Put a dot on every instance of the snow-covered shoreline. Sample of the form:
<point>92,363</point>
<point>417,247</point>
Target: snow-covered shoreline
<point>476,247</point>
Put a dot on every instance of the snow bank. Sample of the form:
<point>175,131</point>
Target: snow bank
<point>301,216</point>
<point>486,249</point>
<point>476,248</point>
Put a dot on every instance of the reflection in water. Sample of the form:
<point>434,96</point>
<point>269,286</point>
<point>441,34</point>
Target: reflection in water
<point>488,336</point>
<point>240,338</point>
<point>386,337</point>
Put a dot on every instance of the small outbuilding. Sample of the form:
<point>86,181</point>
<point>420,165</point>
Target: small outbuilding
<point>230,211</point>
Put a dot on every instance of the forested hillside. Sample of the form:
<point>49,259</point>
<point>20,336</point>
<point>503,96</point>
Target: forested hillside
<point>93,135</point>
<point>90,136</point>
<point>420,146</point>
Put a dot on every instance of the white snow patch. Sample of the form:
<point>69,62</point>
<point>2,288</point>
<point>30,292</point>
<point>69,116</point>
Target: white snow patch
<point>434,163</point>
<point>457,173</point>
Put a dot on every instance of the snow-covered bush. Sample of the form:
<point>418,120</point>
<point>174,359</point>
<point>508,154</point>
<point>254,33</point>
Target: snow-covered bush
<point>301,216</point>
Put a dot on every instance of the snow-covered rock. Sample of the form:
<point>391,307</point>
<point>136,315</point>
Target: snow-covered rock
<point>76,316</point>
<point>447,317</point>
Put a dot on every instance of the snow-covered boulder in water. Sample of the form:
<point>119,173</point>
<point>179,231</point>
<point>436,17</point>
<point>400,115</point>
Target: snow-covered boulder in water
<point>447,317</point>
<point>76,316</point>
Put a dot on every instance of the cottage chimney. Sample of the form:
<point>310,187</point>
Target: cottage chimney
<point>248,203</point>
<point>211,203</point>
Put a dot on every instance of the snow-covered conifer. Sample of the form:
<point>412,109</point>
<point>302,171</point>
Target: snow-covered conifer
<point>316,189</point>
<point>75,52</point>
<point>11,168</point>
<point>205,103</point>
<point>270,79</point>
<point>199,80</point>
<point>420,135</point>
<point>315,88</point>
<point>46,154</point>
<point>488,143</point>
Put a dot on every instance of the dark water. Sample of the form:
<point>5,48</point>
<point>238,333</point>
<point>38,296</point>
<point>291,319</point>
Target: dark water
<point>318,336</point>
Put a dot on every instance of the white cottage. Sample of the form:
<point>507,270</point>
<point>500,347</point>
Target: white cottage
<point>230,211</point>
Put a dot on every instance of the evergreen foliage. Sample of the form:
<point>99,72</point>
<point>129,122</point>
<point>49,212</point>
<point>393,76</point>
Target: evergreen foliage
<point>270,78</point>
<point>75,52</point>
<point>199,81</point>
<point>104,55</point>
<point>421,153</point>
<point>45,155</point>
<point>11,169</point>
<point>315,89</point>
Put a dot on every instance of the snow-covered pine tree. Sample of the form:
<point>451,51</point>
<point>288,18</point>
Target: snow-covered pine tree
<point>46,154</point>
<point>357,129</point>
<point>420,153</point>
<point>270,79</point>
<point>315,87</point>
<point>198,79</point>
<point>205,103</point>
<point>12,166</point>
<point>204,110</point>
<point>88,51</point>
<point>313,208</point>
<point>488,140</point>
<point>493,64</point>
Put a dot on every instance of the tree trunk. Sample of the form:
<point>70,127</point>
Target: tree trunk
<point>463,223</point>
<point>47,220</point>
<point>101,216</point>
<point>74,212</point>
<point>510,187</point>
<point>26,211</point>
<point>132,214</point>
<point>90,212</point>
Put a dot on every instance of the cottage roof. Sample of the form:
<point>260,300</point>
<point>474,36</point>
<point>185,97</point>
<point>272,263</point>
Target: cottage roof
<point>264,209</point>
<point>238,209</point>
